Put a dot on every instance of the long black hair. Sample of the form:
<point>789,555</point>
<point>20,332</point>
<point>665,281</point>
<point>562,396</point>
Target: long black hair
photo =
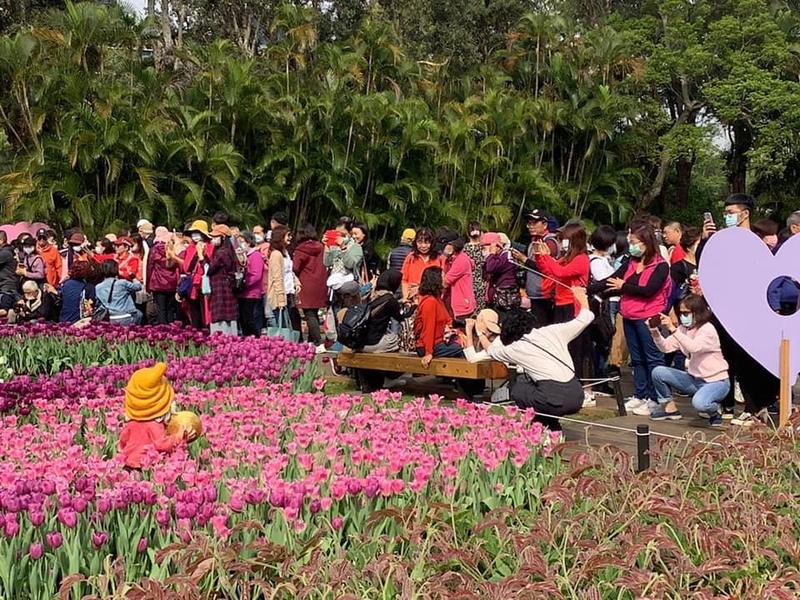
<point>697,305</point>
<point>425,234</point>
<point>389,280</point>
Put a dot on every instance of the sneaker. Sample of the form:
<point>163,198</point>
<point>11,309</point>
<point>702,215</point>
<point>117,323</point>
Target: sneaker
<point>704,415</point>
<point>646,409</point>
<point>727,413</point>
<point>588,400</point>
<point>604,391</point>
<point>715,420</point>
<point>321,349</point>
<point>744,420</point>
<point>660,414</point>
<point>632,402</point>
<point>773,409</point>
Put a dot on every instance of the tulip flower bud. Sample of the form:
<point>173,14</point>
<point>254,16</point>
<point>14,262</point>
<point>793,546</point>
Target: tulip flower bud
<point>36,551</point>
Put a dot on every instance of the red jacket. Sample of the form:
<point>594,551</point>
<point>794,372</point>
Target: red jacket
<point>128,266</point>
<point>137,436</point>
<point>574,273</point>
<point>162,276</point>
<point>429,323</point>
<point>313,276</point>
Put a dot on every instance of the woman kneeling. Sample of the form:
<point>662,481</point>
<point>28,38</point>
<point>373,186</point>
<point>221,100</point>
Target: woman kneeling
<point>706,377</point>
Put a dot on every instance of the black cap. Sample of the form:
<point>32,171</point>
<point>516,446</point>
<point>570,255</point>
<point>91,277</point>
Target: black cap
<point>447,236</point>
<point>538,215</point>
<point>281,217</point>
<point>743,199</point>
<point>41,234</point>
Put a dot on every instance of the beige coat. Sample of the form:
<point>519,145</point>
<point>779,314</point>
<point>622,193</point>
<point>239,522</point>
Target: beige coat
<point>276,291</point>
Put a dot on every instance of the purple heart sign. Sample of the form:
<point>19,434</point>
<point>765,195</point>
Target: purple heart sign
<point>735,270</point>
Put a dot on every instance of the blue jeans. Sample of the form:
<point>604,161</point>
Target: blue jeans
<point>645,356</point>
<point>706,395</point>
<point>442,350</point>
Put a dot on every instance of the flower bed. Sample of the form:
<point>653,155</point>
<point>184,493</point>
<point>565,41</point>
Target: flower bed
<point>300,465</point>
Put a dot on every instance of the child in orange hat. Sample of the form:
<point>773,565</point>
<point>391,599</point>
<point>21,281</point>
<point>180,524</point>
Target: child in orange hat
<point>148,407</point>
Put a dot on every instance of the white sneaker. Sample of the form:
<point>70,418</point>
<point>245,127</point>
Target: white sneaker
<point>633,402</point>
<point>588,400</point>
<point>645,409</point>
<point>747,419</point>
<point>321,349</point>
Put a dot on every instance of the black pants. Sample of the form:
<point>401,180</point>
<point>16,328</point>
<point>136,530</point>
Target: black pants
<point>194,310</point>
<point>580,349</point>
<point>312,320</point>
<point>248,316</point>
<point>759,387</point>
<point>548,397</point>
<point>542,310</point>
<point>166,307</point>
<point>470,387</point>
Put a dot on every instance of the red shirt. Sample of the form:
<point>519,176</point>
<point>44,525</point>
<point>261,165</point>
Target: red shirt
<point>573,273</point>
<point>413,266</point>
<point>128,266</point>
<point>429,323</point>
<point>677,254</point>
<point>137,436</point>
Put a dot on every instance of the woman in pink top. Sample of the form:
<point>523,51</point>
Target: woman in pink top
<point>706,375</point>
<point>459,290</point>
<point>251,297</point>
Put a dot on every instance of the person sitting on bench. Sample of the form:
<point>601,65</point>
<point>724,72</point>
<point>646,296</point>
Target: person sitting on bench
<point>384,314</point>
<point>548,383</point>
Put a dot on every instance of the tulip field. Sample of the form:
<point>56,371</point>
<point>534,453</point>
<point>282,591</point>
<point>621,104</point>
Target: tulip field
<point>295,493</point>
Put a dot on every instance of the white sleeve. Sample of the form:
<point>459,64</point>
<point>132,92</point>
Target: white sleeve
<point>497,351</point>
<point>474,356</point>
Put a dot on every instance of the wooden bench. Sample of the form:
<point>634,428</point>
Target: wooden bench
<point>397,362</point>
<point>370,367</point>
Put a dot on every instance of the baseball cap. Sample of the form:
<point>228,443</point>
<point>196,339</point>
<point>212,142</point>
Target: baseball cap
<point>41,234</point>
<point>490,238</point>
<point>538,215</point>
<point>408,234</point>
<point>488,319</point>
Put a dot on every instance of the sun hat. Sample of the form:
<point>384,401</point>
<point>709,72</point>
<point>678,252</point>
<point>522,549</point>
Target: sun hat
<point>490,238</point>
<point>148,226</point>
<point>148,394</point>
<point>220,231</point>
<point>163,234</point>
<point>504,240</point>
<point>111,237</point>
<point>408,235</point>
<point>199,226</point>
<point>489,320</point>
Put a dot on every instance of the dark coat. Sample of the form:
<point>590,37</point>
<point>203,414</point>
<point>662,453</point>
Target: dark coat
<point>221,269</point>
<point>313,276</point>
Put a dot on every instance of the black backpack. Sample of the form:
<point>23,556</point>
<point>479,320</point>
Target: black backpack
<point>352,329</point>
<point>602,329</point>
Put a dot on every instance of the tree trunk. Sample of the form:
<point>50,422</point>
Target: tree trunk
<point>683,181</point>
<point>166,26</point>
<point>742,140</point>
<point>151,8</point>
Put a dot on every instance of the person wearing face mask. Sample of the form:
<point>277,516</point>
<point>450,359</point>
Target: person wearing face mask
<point>146,231</point>
<point>35,305</point>
<point>475,253</point>
<point>104,250</point>
<point>398,254</point>
<point>644,286</point>
<point>539,289</point>
<point>162,271</point>
<point>50,255</point>
<point>500,273</point>
<point>9,280</point>
<point>706,377</point>
<point>127,261</point>
<point>223,307</point>
<point>30,266</point>
<point>195,262</point>
<point>74,252</point>
<point>458,289</point>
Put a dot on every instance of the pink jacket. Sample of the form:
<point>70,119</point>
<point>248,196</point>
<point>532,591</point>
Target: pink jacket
<point>637,307</point>
<point>702,349</point>
<point>458,276</point>
<point>253,276</point>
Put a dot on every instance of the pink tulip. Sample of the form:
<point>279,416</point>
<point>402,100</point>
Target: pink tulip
<point>36,551</point>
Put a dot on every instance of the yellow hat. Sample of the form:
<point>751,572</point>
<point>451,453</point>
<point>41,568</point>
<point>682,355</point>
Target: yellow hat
<point>409,234</point>
<point>148,394</point>
<point>199,226</point>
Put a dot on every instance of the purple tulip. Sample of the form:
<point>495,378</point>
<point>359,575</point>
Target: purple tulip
<point>54,540</point>
<point>142,545</point>
<point>315,506</point>
<point>99,538</point>
<point>337,523</point>
<point>36,551</point>
<point>68,517</point>
<point>163,517</point>
<point>36,517</point>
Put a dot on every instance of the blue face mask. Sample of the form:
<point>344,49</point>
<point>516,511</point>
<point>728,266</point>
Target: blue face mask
<point>687,320</point>
<point>731,220</point>
<point>636,250</point>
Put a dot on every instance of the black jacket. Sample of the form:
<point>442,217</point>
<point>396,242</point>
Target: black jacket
<point>9,280</point>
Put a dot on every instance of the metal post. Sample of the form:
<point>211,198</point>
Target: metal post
<point>617,385</point>
<point>642,447</point>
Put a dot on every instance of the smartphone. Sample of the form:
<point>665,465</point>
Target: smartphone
<point>708,217</point>
<point>654,321</point>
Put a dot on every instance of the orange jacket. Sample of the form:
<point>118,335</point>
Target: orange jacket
<point>52,263</point>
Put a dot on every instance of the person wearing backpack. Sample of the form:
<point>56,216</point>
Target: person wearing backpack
<point>384,308</point>
<point>602,328</point>
<point>645,286</point>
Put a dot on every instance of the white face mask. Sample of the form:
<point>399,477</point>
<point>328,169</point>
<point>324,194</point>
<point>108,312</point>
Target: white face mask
<point>196,237</point>
<point>28,249</point>
<point>259,238</point>
<point>612,249</point>
<point>77,249</point>
<point>98,249</point>
<point>217,241</point>
<point>565,245</point>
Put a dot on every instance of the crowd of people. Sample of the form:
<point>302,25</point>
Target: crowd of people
<point>564,306</point>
